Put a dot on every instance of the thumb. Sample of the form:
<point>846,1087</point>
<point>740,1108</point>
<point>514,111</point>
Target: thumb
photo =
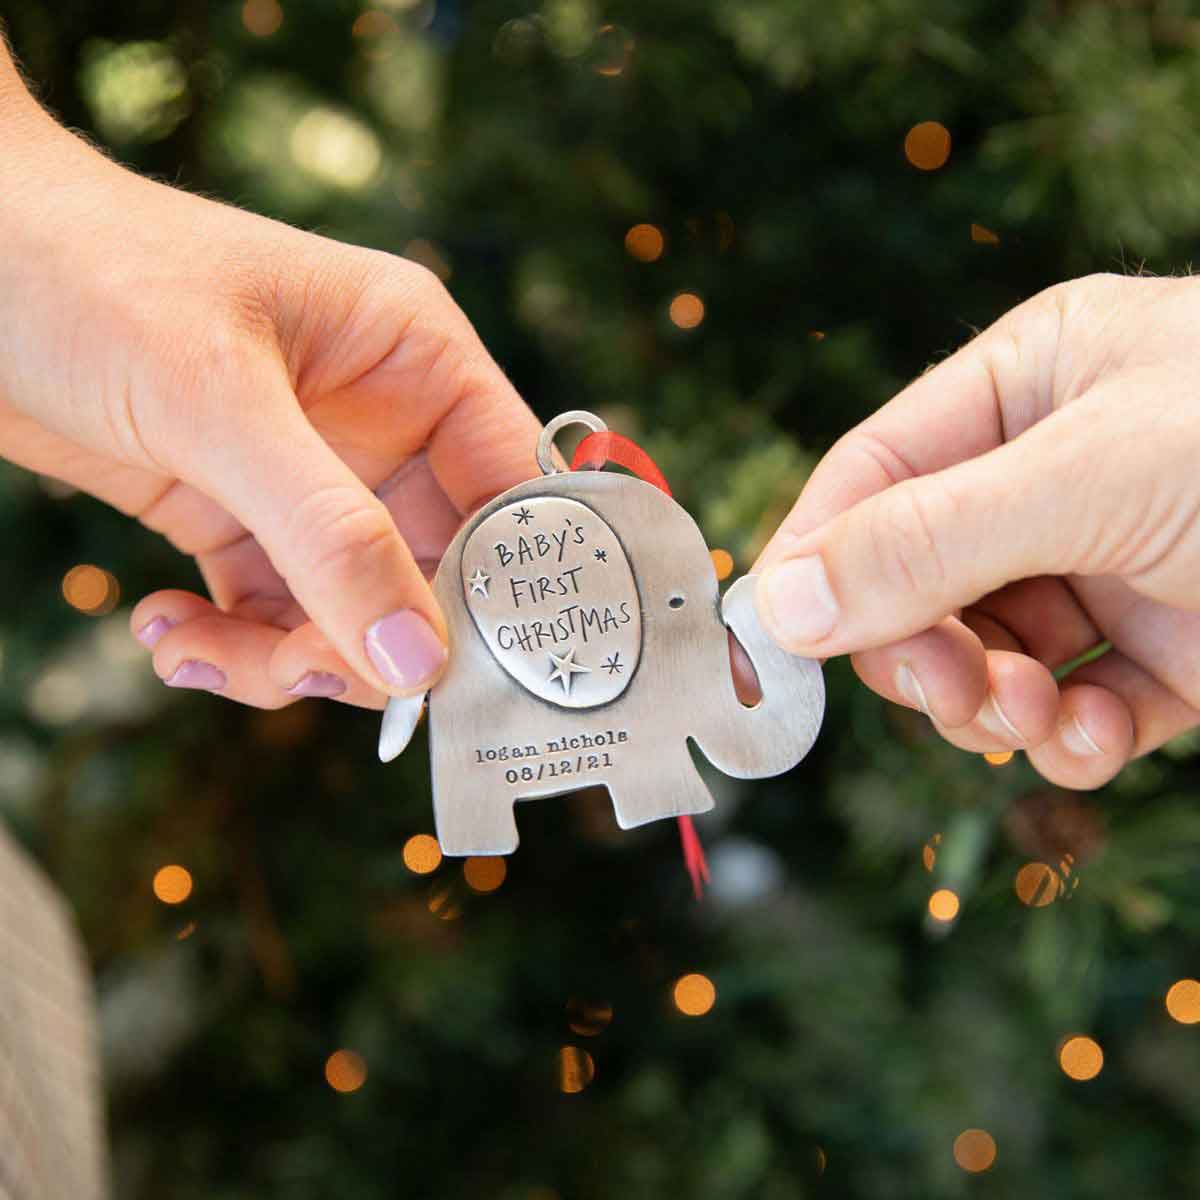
<point>331,539</point>
<point>899,561</point>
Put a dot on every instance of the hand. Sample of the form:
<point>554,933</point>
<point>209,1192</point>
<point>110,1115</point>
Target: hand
<point>1032,496</point>
<point>311,421</point>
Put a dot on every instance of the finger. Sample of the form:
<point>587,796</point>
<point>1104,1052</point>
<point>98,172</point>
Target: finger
<point>153,615</point>
<point>988,392</point>
<point>1042,616</point>
<point>304,663</point>
<point>1093,740</point>
<point>328,536</point>
<point>941,672</point>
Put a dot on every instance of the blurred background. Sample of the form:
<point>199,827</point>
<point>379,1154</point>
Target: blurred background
<point>734,230</point>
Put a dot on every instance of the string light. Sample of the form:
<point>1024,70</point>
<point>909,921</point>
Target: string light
<point>943,905</point>
<point>1183,1001</point>
<point>1037,884</point>
<point>172,884</point>
<point>485,874</point>
<point>694,995</point>
<point>91,590</point>
<point>927,145</point>
<point>262,18</point>
<point>975,1150</point>
<point>687,310</point>
<point>588,1018</point>
<point>929,851</point>
<point>1080,1058</point>
<point>345,1071</point>
<point>422,855</point>
<point>722,562</point>
<point>998,758</point>
<point>645,243</point>
<point>576,1069</point>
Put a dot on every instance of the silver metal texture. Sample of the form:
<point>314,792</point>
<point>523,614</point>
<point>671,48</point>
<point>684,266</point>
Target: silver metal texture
<point>545,446</point>
<point>498,735</point>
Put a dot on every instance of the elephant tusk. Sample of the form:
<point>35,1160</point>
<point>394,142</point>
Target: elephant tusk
<point>399,720</point>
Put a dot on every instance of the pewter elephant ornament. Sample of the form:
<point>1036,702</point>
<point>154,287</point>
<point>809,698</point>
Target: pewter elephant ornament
<point>588,643</point>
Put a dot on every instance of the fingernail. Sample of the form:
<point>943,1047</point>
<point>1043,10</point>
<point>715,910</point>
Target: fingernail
<point>909,686</point>
<point>149,633</point>
<point>318,683</point>
<point>1077,739</point>
<point>992,717</point>
<point>193,673</point>
<point>799,605</point>
<point>404,649</point>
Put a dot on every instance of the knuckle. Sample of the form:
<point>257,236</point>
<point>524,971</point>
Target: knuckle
<point>342,533</point>
<point>903,533</point>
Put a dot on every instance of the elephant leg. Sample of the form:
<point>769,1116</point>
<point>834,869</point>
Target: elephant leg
<point>473,821</point>
<point>667,786</point>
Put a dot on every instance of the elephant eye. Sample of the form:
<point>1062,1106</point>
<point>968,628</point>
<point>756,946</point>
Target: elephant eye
<point>677,601</point>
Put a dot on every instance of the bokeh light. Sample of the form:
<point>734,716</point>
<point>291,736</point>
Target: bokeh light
<point>422,854</point>
<point>645,243</point>
<point>975,1150</point>
<point>821,1159</point>
<point>336,148</point>
<point>485,874</point>
<point>576,1069</point>
<point>1080,1057</point>
<point>1183,1001</point>
<point>186,932</point>
<point>998,758</point>
<point>694,995</point>
<point>345,1071</point>
<point>687,310</point>
<point>611,51</point>
<point>373,24</point>
<point>983,236</point>
<point>92,590</point>
<point>172,884</point>
<point>1037,884</point>
<point>443,905</point>
<point>262,18</point>
<point>722,562</point>
<point>929,852</point>
<point>943,905</point>
<point>588,1018</point>
<point>927,145</point>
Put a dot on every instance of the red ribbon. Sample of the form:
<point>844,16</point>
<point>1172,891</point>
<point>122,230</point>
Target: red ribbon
<point>593,453</point>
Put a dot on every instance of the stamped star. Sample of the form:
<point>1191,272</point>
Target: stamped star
<point>614,665</point>
<point>602,556</point>
<point>523,516</point>
<point>479,583</point>
<point>564,668</point>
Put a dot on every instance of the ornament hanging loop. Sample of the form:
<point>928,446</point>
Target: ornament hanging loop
<point>545,446</point>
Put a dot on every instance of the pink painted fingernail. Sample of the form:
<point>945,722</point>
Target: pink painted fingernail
<point>194,673</point>
<point>150,633</point>
<point>1077,739</point>
<point>318,683</point>
<point>404,649</point>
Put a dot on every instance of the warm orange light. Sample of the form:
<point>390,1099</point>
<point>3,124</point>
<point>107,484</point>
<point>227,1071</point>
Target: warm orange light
<point>443,904</point>
<point>722,562</point>
<point>1037,884</point>
<point>575,1069</point>
<point>345,1071</point>
<point>816,335</point>
<point>1183,1001</point>
<point>929,851</point>
<point>373,24</point>
<point>1081,1058</point>
<point>687,310</point>
<point>998,758</point>
<point>927,145</point>
<point>485,874</point>
<point>91,590</point>
<point>943,905</point>
<point>262,17</point>
<point>694,995</point>
<point>613,47</point>
<point>974,1150</point>
<point>422,855</point>
<point>984,236</point>
<point>588,1017</point>
<point>645,243</point>
<point>186,932</point>
<point>172,884</point>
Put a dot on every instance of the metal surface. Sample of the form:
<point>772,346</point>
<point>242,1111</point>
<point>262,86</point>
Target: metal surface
<point>495,739</point>
<point>545,446</point>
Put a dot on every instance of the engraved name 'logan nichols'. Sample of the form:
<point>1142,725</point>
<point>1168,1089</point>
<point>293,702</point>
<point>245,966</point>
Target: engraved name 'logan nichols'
<point>575,620</point>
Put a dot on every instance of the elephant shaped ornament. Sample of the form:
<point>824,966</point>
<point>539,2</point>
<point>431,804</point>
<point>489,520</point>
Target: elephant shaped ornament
<point>588,643</point>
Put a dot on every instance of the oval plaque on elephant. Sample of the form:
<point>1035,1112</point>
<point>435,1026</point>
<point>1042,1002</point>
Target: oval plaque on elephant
<point>552,594</point>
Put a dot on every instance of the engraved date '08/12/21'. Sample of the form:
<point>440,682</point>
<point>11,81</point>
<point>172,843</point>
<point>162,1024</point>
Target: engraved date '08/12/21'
<point>556,759</point>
